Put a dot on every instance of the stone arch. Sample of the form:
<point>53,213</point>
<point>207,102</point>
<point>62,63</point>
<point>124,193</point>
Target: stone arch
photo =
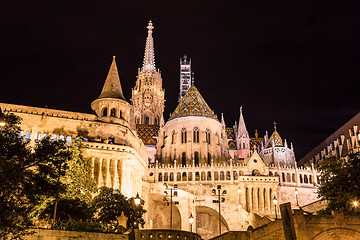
<point>104,112</point>
<point>113,112</point>
<point>160,213</point>
<point>288,177</point>
<point>338,234</point>
<point>207,222</point>
<point>184,176</point>
<point>306,179</point>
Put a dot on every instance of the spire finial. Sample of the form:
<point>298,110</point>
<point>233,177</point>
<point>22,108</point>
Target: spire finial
<point>275,123</point>
<point>149,56</point>
<point>150,27</point>
<point>240,108</point>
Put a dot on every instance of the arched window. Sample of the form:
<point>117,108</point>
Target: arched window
<point>310,179</point>
<point>216,176</point>
<point>235,175</point>
<point>104,112</point>
<point>196,135</point>
<point>121,114</point>
<point>197,176</point>
<point>137,120</point>
<point>222,175</point>
<point>160,177</point>
<point>147,119</point>
<point>196,156</point>
<point>288,178</point>
<point>208,176</point>
<point>228,175</point>
<point>293,177</point>
<point>243,145</point>
<point>183,159</point>
<point>184,177</point>
<point>156,120</point>
<point>209,159</point>
<point>301,178</point>
<point>183,135</point>
<point>208,137</point>
<point>113,112</point>
<point>283,177</point>
<point>306,179</point>
<point>172,137</point>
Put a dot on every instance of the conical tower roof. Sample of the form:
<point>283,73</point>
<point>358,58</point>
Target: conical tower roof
<point>112,87</point>
<point>192,104</point>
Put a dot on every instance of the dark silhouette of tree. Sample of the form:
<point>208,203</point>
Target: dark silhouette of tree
<point>340,183</point>
<point>110,203</point>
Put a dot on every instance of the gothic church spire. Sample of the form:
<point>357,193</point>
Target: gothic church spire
<point>149,56</point>
<point>242,132</point>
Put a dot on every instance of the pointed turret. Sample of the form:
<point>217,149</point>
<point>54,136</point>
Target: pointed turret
<point>112,86</point>
<point>242,138</point>
<point>149,55</point>
<point>111,105</point>
<point>222,120</point>
<point>241,131</point>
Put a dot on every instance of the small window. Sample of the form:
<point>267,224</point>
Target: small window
<point>208,136</point>
<point>104,113</point>
<point>196,135</point>
<point>183,135</point>
<point>147,119</point>
<point>113,112</point>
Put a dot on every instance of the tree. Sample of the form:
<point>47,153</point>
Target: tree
<point>109,205</point>
<point>31,177</point>
<point>340,182</point>
<point>26,175</point>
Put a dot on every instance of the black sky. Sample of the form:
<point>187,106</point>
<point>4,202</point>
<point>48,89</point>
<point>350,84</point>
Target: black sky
<point>293,62</point>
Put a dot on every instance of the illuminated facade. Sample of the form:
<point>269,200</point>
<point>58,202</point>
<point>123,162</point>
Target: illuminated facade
<point>135,150</point>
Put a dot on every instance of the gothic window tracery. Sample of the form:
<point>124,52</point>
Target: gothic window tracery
<point>183,135</point>
<point>173,137</point>
<point>196,135</point>
<point>208,136</point>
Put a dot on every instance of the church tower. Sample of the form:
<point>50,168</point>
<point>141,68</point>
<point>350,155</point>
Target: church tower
<point>242,138</point>
<point>148,94</point>
<point>111,105</point>
<point>185,76</point>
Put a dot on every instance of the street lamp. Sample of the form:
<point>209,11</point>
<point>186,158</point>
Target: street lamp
<point>137,199</point>
<point>191,220</point>
<point>355,203</point>
<point>219,194</point>
<point>296,195</point>
<point>275,202</point>
<point>173,193</point>
<point>2,123</point>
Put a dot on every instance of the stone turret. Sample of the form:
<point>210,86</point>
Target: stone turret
<point>242,138</point>
<point>111,105</point>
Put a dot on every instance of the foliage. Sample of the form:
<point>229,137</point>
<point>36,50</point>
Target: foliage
<point>84,226</point>
<point>340,183</point>
<point>69,209</point>
<point>77,175</point>
<point>109,205</point>
<point>26,175</point>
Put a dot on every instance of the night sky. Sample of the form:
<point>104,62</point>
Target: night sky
<point>293,62</point>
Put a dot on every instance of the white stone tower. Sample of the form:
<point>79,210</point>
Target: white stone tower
<point>111,105</point>
<point>148,94</point>
<point>242,138</point>
<point>185,76</point>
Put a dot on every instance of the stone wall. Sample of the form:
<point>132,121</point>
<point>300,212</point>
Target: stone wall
<point>42,234</point>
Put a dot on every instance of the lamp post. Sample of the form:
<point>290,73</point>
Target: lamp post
<point>218,193</point>
<point>296,195</point>
<point>137,201</point>
<point>355,203</point>
<point>2,123</point>
<point>173,193</point>
<point>191,221</point>
<point>275,202</point>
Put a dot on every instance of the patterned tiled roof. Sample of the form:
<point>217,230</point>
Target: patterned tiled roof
<point>277,140</point>
<point>193,104</point>
<point>147,133</point>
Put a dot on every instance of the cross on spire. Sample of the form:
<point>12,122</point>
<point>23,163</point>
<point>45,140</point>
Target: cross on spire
<point>275,123</point>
